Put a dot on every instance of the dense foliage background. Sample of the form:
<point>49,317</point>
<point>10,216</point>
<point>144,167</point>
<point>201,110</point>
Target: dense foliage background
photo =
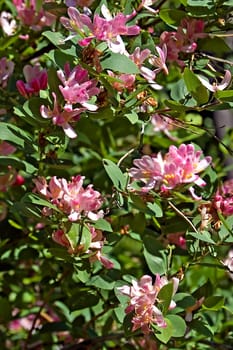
<point>116,199</point>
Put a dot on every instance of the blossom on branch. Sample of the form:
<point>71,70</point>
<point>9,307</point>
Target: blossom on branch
<point>31,16</point>
<point>62,116</point>
<point>77,87</point>
<point>214,87</point>
<point>144,300</point>
<point>36,80</point>
<point>71,197</point>
<point>179,166</point>
<point>107,29</point>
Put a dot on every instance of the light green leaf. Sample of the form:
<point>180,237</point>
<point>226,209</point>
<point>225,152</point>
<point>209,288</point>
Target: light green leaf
<point>156,209</point>
<point>195,87</point>
<point>114,172</point>
<point>103,225</point>
<point>119,63</point>
<point>165,296</point>
<point>171,16</point>
<point>203,236</point>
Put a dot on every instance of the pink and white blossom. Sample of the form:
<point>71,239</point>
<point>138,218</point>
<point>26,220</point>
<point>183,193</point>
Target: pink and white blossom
<point>179,166</point>
<point>214,87</point>
<point>71,197</point>
<point>36,80</point>
<point>108,29</point>
<point>62,116</point>
<point>144,301</point>
<point>6,70</point>
<point>31,16</point>
<point>77,87</point>
<point>184,40</point>
<point>160,60</point>
<point>223,198</point>
<point>8,23</point>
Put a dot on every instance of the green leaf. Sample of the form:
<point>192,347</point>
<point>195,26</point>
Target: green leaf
<point>213,303</point>
<point>203,236</point>
<point>178,325</point>
<point>156,209</point>
<point>82,299</point>
<point>165,333</point>
<point>119,63</point>
<point>195,87</point>
<point>114,172</point>
<point>132,117</point>
<point>103,282</point>
<point>201,328</point>
<point>5,310</point>
<point>165,296</point>
<point>31,198</point>
<point>103,225</point>
<point>18,164</point>
<point>172,16</point>
<point>226,95</point>
<point>156,264</point>
<point>15,135</point>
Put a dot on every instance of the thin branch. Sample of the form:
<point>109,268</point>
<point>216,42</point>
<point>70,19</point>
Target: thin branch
<point>182,215</point>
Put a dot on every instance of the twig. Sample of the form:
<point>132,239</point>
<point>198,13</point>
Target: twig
<point>182,215</point>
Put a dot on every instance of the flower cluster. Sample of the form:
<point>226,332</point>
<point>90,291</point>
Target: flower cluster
<point>31,16</point>
<point>184,39</point>
<point>78,89</point>
<point>106,29</point>
<point>71,197</point>
<point>36,80</point>
<point>179,166</point>
<point>143,297</point>
<point>223,198</point>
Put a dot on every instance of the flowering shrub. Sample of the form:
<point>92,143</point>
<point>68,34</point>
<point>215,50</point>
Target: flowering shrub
<point>116,196</point>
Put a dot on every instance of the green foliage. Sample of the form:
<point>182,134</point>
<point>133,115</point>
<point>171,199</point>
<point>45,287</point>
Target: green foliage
<point>75,245</point>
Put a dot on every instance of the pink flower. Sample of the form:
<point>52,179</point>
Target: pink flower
<point>71,198</point>
<point>77,87</point>
<point>81,3</point>
<point>184,39</point>
<point>179,166</point>
<point>103,29</point>
<point>139,57</point>
<point>182,166</point>
<point>143,297</point>
<point>31,16</point>
<point>214,87</point>
<point>177,239</point>
<point>122,81</point>
<point>36,80</point>
<point>149,170</point>
<point>6,70</point>
<point>223,199</point>
<point>160,60</point>
<point>163,124</point>
<point>62,116</point>
<point>60,238</point>
<point>6,148</point>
